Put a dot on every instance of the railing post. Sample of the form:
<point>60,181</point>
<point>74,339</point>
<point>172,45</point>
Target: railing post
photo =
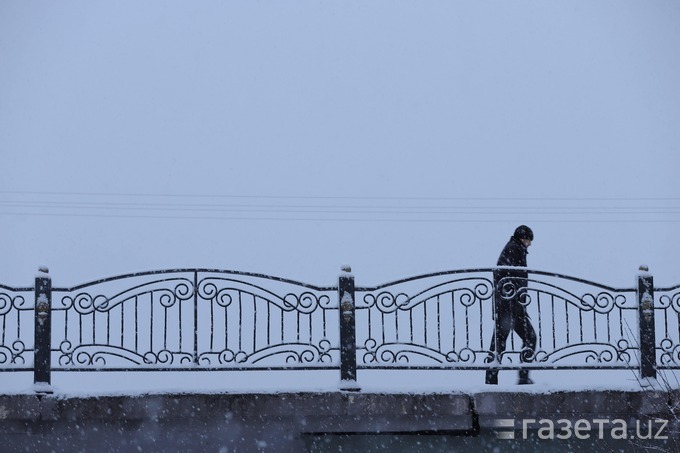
<point>645,296</point>
<point>43,332</point>
<point>348,348</point>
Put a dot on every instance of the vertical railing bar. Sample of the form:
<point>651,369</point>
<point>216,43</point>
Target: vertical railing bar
<point>481,324</point>
<point>425,323</point>
<point>240,322</point>
<point>396,323</point>
<point>151,322</point>
<point>19,323</point>
<point>122,323</point>
<point>283,325</point>
<point>226,328</point>
<point>552,316</point>
<point>371,321</point>
<point>566,310</point>
<point>93,323</point>
<point>212,325</point>
<point>66,323</point>
<point>620,323</point>
<point>540,320</point>
<point>179,326</point>
<point>323,319</point>
<point>297,322</point>
<point>512,340</point>
<point>453,320</point>
<point>254,324</point>
<point>165,328</point>
<point>136,324</point>
<point>309,318</point>
<point>382,325</point>
<point>439,326</point>
<point>467,326</point>
<point>269,324</point>
<point>196,318</point>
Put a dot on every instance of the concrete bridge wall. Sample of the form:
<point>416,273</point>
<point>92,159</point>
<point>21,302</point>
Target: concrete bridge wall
<point>300,421</point>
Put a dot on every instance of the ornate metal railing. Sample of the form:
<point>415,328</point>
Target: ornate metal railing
<point>179,319</point>
<point>202,319</point>
<point>445,320</point>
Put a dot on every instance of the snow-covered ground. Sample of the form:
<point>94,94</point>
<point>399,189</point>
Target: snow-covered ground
<point>412,381</point>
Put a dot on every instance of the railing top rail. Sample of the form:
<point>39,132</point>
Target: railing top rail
<point>490,270</point>
<point>328,288</point>
<point>194,270</point>
<point>672,288</point>
<point>10,288</point>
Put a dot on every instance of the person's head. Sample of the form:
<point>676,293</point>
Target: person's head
<point>524,234</point>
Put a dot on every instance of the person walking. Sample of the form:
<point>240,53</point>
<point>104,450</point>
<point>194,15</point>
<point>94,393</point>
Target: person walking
<point>510,313</point>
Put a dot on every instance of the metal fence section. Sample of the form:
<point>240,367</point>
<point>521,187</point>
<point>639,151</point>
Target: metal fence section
<point>193,319</point>
<point>581,322</point>
<point>436,320</point>
<point>667,316</point>
<point>261,321</point>
<point>445,320</point>
<point>16,328</point>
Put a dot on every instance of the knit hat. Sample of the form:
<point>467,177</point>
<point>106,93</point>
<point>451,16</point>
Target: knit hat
<point>524,232</point>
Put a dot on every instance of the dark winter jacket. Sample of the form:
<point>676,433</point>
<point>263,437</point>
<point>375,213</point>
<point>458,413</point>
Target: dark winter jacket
<point>514,254</point>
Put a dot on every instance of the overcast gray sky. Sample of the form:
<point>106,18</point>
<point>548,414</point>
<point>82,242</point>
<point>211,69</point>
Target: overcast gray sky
<point>289,138</point>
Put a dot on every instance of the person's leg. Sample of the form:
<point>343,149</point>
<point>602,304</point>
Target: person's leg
<point>492,374</point>
<point>503,326</point>
<point>527,333</point>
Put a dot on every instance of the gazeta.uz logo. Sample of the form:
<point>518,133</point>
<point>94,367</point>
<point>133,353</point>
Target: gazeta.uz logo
<point>596,428</point>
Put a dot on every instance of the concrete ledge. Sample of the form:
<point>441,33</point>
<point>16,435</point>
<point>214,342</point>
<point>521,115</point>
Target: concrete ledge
<point>246,422</point>
<point>452,409</point>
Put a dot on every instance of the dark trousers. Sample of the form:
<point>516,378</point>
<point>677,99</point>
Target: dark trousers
<point>511,316</point>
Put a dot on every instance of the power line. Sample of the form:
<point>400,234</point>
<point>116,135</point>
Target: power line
<point>345,209</point>
<point>339,219</point>
<point>325,197</point>
<point>336,209</point>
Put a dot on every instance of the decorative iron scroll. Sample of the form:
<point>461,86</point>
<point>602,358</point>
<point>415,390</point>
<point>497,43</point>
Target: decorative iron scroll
<point>167,292</point>
<point>289,354</point>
